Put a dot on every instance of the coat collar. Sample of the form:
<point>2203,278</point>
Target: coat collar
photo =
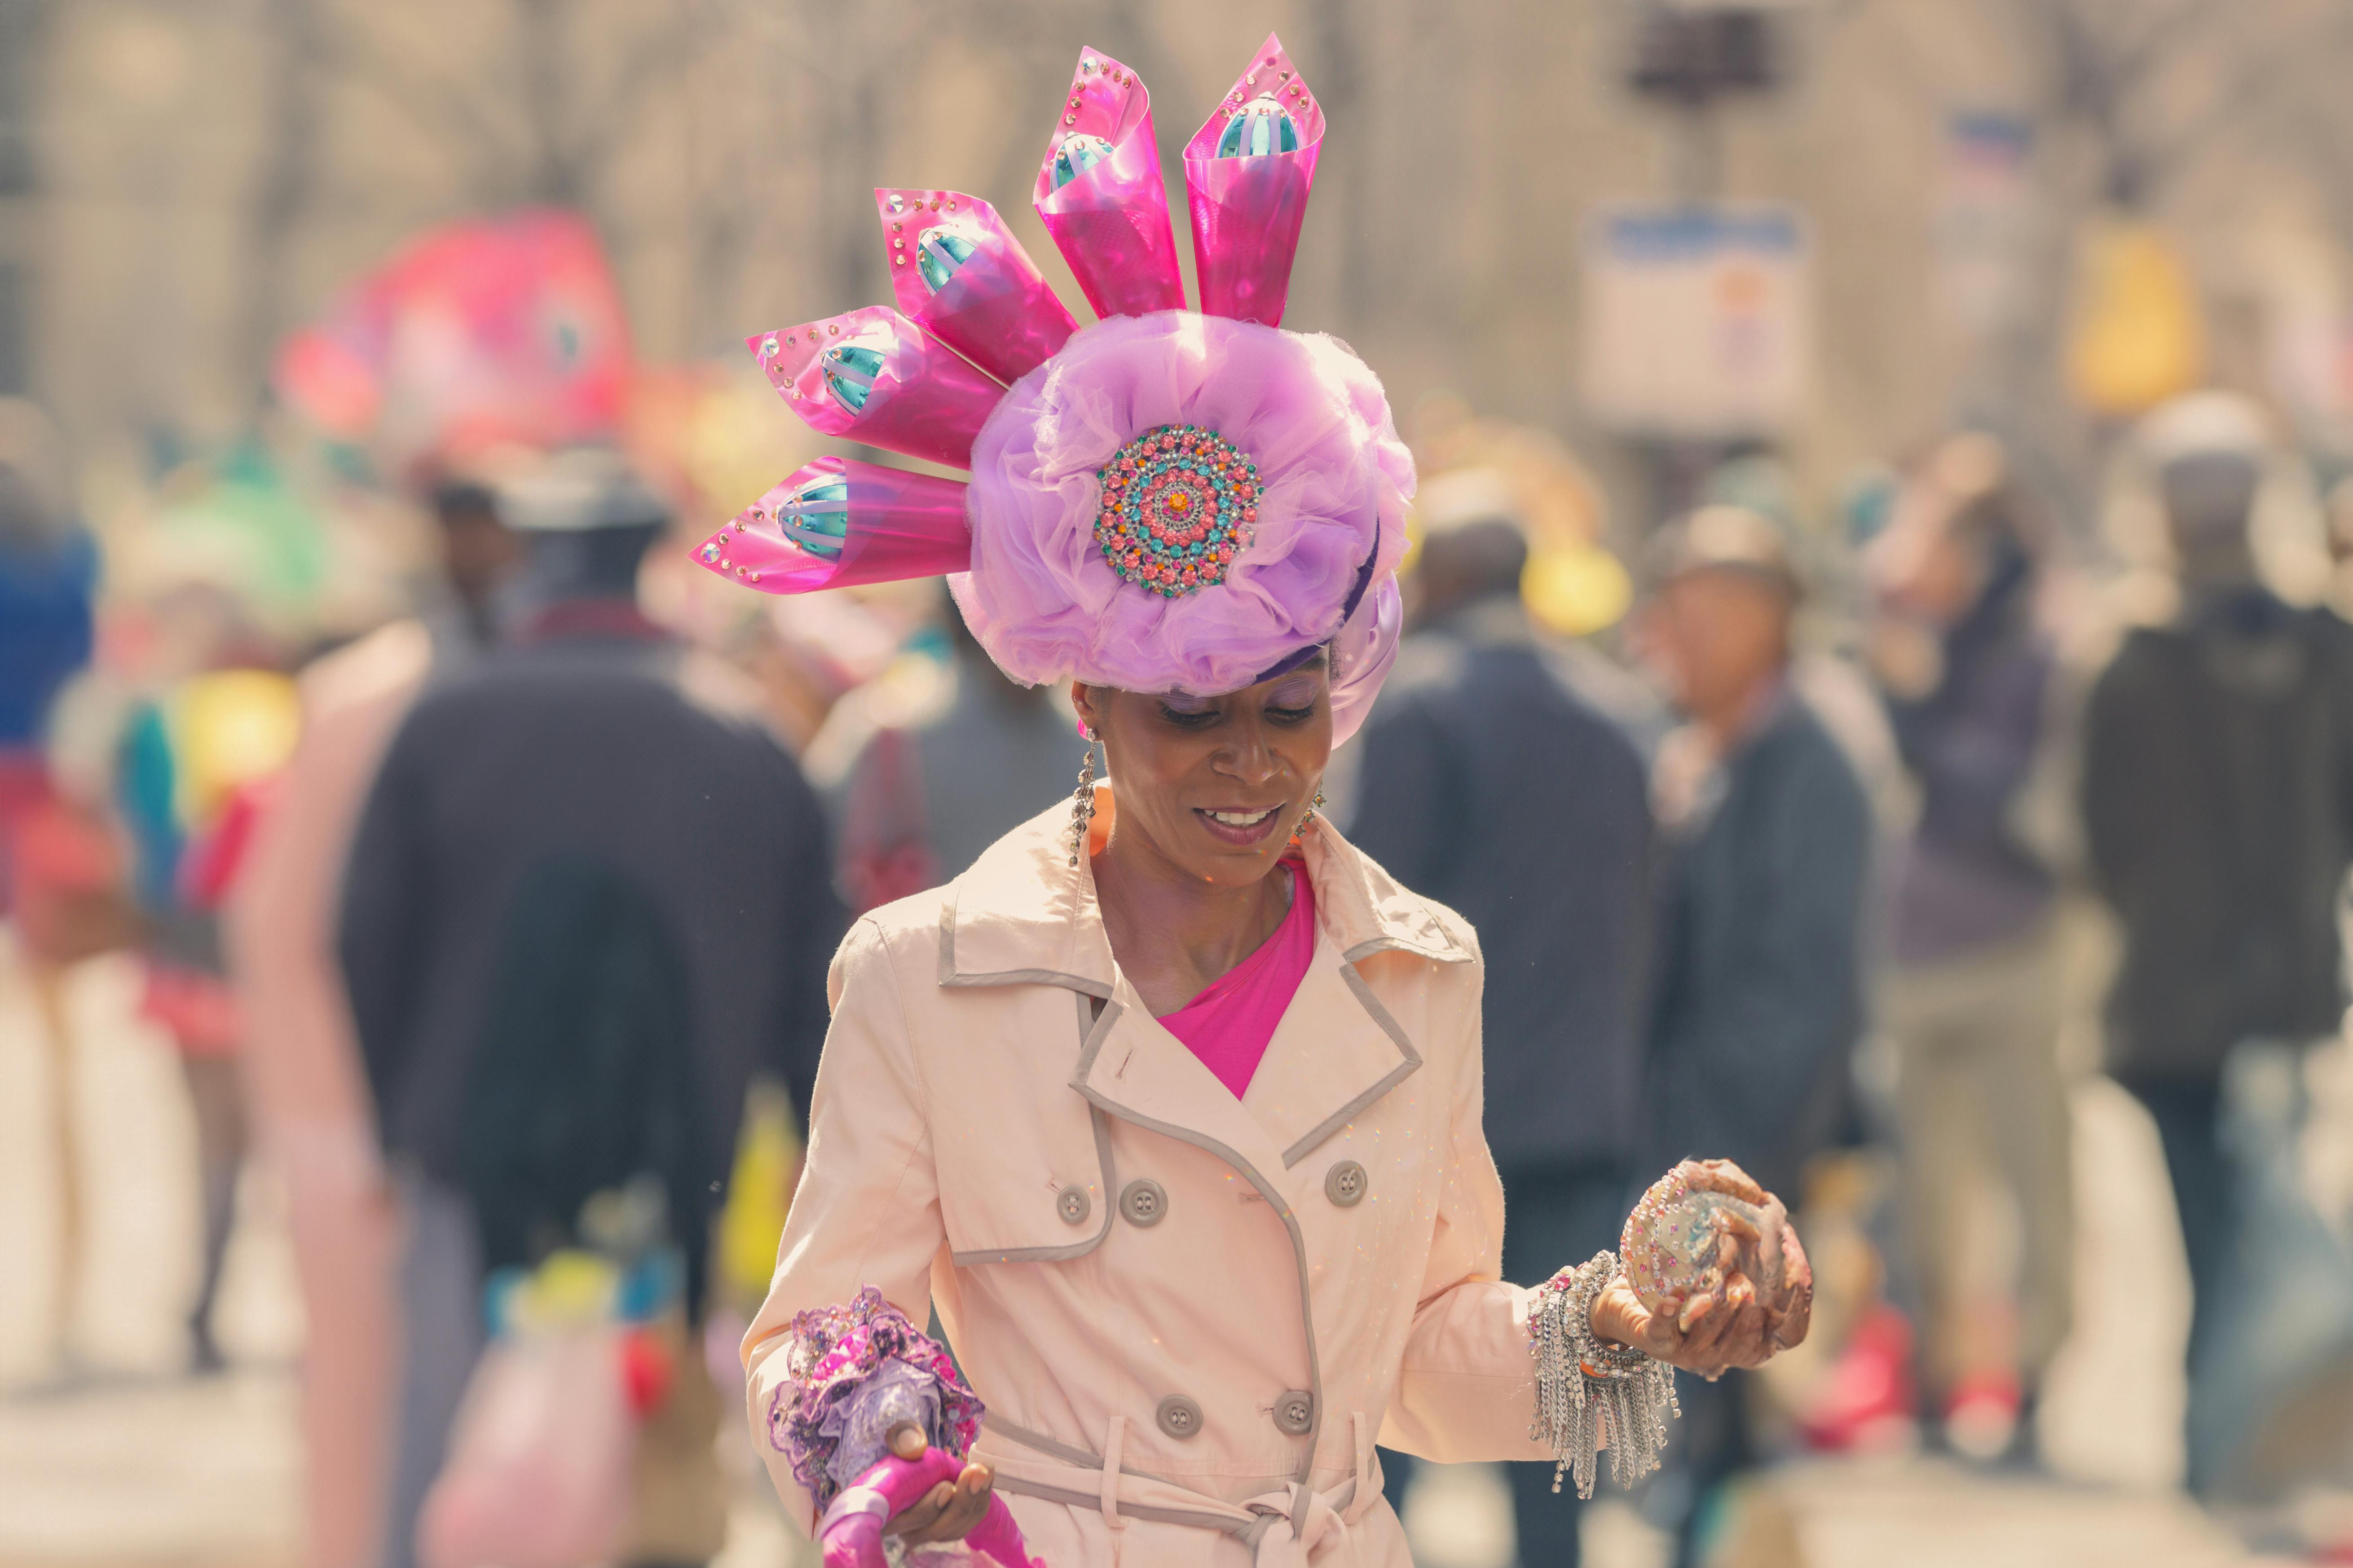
<point>1024,915</point>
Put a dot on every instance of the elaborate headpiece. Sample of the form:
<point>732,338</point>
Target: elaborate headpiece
<point>1170,500</point>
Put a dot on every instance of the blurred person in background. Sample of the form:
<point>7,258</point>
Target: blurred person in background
<point>57,866</point>
<point>48,575</point>
<point>1972,995</point>
<point>209,717</point>
<point>2217,804</point>
<point>587,900</point>
<point>947,757</point>
<point>1824,671</point>
<point>1487,782</point>
<point>305,1082</point>
<point>477,556</point>
<point>1756,1007</point>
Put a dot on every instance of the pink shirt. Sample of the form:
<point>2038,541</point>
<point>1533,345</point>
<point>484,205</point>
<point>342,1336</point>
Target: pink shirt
<point>1230,1024</point>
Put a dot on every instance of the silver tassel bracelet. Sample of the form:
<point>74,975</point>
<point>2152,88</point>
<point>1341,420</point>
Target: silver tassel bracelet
<point>1589,1393</point>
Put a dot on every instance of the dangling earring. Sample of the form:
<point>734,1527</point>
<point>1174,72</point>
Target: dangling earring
<point>1308,821</point>
<point>1082,799</point>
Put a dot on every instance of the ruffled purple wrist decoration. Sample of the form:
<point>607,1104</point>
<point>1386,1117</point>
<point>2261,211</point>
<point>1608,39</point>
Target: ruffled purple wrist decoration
<point>1248,173</point>
<point>1101,195</point>
<point>836,523</point>
<point>960,273</point>
<point>852,1374</point>
<point>873,375</point>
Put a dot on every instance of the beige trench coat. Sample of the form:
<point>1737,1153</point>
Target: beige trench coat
<point>1190,1316</point>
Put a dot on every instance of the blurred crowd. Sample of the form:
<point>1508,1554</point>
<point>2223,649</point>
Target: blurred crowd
<point>483,865</point>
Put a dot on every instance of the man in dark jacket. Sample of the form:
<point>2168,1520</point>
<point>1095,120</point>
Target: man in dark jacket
<point>2218,800</point>
<point>1758,1005</point>
<point>1490,785</point>
<point>589,900</point>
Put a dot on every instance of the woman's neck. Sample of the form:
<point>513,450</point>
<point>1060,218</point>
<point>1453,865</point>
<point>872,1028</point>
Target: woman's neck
<point>1174,935</point>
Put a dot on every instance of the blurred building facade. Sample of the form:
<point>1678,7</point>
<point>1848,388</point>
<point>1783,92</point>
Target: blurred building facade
<point>182,180</point>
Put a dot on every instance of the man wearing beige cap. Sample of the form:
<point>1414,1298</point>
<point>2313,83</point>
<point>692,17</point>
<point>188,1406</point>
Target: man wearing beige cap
<point>1491,784</point>
<point>1759,1002</point>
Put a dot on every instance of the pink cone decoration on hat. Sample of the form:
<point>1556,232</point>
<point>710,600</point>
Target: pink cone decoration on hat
<point>873,375</point>
<point>961,276</point>
<point>1101,195</point>
<point>836,523</point>
<point>1248,173</point>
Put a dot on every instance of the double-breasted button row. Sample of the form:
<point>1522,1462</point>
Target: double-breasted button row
<point>1143,1202</point>
<point>1179,1417</point>
<point>1294,1412</point>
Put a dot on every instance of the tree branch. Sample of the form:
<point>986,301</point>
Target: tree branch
<point>2135,61</point>
<point>433,103</point>
<point>665,55</point>
<point>2253,85</point>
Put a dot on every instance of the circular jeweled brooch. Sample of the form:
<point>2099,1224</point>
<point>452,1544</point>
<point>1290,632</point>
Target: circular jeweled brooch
<point>1179,502</point>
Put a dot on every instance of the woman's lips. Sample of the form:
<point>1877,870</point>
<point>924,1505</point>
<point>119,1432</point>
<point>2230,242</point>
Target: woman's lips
<point>1240,826</point>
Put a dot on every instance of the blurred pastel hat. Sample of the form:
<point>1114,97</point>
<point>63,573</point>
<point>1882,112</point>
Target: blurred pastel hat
<point>1169,500</point>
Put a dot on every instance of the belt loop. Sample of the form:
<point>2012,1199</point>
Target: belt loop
<point>1114,1441</point>
<point>1365,1491</point>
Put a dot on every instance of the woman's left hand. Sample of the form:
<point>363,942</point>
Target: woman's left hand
<point>1739,1326</point>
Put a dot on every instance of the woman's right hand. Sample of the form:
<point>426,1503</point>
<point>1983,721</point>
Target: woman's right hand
<point>951,1510</point>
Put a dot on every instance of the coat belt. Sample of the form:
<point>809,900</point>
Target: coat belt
<point>1287,1528</point>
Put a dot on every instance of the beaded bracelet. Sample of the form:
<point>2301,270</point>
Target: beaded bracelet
<point>1591,1395</point>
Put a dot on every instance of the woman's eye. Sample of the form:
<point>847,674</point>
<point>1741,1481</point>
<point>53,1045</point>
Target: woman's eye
<point>1189,718</point>
<point>1293,701</point>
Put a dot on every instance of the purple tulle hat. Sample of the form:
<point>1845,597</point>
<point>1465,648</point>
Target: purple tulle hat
<point>1166,500</point>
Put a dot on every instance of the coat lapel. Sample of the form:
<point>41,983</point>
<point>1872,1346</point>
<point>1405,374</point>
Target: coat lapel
<point>1336,1052</point>
<point>1138,1072</point>
<point>1024,915</point>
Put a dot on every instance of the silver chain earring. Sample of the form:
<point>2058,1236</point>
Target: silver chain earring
<point>1312,806</point>
<point>1082,799</point>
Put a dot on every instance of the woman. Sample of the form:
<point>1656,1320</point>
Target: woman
<point>1973,989</point>
<point>1170,1104</point>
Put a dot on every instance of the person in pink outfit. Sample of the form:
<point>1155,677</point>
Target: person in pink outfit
<point>307,1092</point>
<point>309,1097</point>
<point>1171,1105</point>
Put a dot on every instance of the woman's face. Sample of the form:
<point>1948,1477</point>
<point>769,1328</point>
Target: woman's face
<point>1215,785</point>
